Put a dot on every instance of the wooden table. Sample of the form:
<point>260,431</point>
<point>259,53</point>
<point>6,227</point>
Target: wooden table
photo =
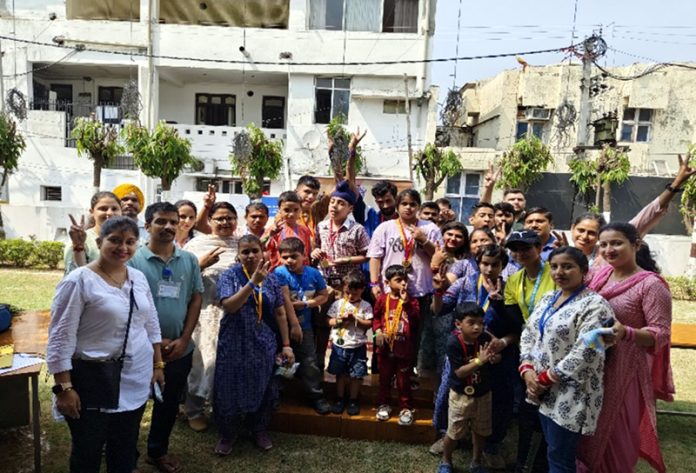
<point>20,388</point>
<point>684,336</point>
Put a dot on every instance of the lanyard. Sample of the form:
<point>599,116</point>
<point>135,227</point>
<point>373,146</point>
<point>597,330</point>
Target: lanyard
<point>470,378</point>
<point>408,244</point>
<point>332,238</point>
<point>258,297</point>
<point>309,224</point>
<point>393,324</point>
<point>479,290</point>
<point>551,310</point>
<point>537,282</point>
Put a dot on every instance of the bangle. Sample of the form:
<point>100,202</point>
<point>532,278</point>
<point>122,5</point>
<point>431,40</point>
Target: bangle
<point>78,248</point>
<point>544,379</point>
<point>159,365</point>
<point>477,361</point>
<point>524,368</point>
<point>286,345</point>
<point>630,334</point>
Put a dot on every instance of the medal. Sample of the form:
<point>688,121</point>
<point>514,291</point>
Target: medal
<point>469,390</point>
<point>408,247</point>
<point>470,380</point>
<point>392,325</point>
<point>406,264</point>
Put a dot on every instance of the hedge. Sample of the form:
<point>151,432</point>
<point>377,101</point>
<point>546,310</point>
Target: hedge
<point>682,287</point>
<point>31,253</point>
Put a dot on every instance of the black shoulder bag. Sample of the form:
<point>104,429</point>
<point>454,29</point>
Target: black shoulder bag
<point>98,383</point>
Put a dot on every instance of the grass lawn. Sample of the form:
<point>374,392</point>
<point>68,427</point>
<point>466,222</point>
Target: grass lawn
<point>32,290</point>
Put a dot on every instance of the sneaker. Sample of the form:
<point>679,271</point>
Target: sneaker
<point>406,417</point>
<point>477,468</point>
<point>322,406</point>
<point>438,447</point>
<point>338,406</point>
<point>383,412</point>
<point>445,468</point>
<point>262,440</point>
<point>494,461</point>
<point>224,446</point>
<point>353,408</point>
<point>198,423</point>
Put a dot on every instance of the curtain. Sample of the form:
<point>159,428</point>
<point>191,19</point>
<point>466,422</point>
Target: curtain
<point>363,15</point>
<point>400,16</point>
<point>326,14</point>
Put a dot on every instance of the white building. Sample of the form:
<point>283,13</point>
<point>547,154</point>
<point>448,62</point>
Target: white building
<point>210,68</point>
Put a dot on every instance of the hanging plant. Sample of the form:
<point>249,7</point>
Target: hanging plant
<point>255,158</point>
<point>523,163</point>
<point>340,152</point>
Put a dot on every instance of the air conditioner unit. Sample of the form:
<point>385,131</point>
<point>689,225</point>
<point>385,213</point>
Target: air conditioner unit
<point>537,113</point>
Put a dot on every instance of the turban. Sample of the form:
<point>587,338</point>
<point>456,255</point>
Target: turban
<point>124,189</point>
<point>344,192</point>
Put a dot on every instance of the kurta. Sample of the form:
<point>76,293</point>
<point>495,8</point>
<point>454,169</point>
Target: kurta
<point>633,377</point>
<point>205,335</point>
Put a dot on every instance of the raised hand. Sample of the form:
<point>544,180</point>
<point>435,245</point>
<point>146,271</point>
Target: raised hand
<point>439,257</point>
<point>561,239</point>
<point>77,232</point>
<point>491,176</point>
<point>261,272</point>
<point>494,288</point>
<point>417,234</point>
<point>211,257</point>
<point>440,281</point>
<point>685,171</point>
<point>209,197</point>
<point>403,294</point>
<point>356,138</point>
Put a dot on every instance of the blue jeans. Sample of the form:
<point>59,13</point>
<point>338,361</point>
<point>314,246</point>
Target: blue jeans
<point>561,446</point>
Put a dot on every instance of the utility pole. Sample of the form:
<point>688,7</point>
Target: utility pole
<point>585,105</point>
<point>2,83</point>
<point>408,130</point>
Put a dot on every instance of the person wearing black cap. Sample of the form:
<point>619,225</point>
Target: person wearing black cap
<point>523,290</point>
<point>340,247</point>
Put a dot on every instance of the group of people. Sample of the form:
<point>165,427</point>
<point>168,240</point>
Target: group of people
<point>507,318</point>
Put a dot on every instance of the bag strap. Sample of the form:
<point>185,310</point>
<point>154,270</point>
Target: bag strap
<point>130,316</point>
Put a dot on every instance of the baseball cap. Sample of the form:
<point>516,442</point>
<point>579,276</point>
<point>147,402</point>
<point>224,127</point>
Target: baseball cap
<point>524,237</point>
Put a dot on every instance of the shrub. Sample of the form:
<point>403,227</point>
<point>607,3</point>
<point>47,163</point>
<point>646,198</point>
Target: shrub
<point>682,287</point>
<point>31,253</point>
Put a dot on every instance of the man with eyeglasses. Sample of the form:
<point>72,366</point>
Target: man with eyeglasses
<point>175,281</point>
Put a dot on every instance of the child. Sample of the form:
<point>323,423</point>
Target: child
<point>307,190</point>
<point>396,325</point>
<point>285,226</point>
<point>307,290</point>
<point>350,317</point>
<point>469,353</point>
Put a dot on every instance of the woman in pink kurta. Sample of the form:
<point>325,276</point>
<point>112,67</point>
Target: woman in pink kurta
<point>637,369</point>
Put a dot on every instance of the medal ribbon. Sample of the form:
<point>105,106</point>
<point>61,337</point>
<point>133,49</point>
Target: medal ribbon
<point>470,378</point>
<point>309,224</point>
<point>258,297</point>
<point>332,239</point>
<point>408,244</point>
<point>551,310</point>
<point>486,302</point>
<point>342,331</point>
<point>393,324</point>
<point>532,299</point>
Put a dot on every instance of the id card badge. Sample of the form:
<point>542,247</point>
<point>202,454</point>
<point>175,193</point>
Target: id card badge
<point>169,289</point>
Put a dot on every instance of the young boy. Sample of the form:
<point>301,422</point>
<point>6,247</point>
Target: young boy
<point>349,317</point>
<point>307,290</point>
<point>285,226</point>
<point>395,325</point>
<point>469,352</point>
<point>307,189</point>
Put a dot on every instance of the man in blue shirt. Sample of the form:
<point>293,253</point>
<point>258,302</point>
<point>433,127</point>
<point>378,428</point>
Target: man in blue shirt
<point>175,280</point>
<point>541,221</point>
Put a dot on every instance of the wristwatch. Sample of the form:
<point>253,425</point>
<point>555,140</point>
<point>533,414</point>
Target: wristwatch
<point>61,387</point>
<point>672,189</point>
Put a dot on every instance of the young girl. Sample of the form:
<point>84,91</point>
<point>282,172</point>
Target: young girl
<point>349,317</point>
<point>253,327</point>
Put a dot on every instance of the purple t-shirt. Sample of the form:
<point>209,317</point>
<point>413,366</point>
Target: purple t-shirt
<point>386,244</point>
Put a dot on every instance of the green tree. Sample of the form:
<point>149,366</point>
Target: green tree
<point>12,145</point>
<point>160,153</point>
<point>263,159</point>
<point>523,163</point>
<point>611,166</point>
<point>688,210</point>
<point>99,142</point>
<point>433,166</point>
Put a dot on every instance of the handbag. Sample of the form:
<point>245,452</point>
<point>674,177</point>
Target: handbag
<point>98,383</point>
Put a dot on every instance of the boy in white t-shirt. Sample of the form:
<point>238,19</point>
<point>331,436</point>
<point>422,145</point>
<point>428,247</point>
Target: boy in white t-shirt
<point>349,318</point>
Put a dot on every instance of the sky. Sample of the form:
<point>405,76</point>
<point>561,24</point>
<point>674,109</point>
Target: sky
<point>663,30</point>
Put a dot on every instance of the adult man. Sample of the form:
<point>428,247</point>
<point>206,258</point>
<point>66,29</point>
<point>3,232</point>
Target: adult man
<point>430,211</point>
<point>516,198</point>
<point>446,213</point>
<point>175,280</point>
<point>384,193</point>
<point>541,221</point>
<point>132,203</point>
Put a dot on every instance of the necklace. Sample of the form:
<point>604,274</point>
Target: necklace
<point>118,284</point>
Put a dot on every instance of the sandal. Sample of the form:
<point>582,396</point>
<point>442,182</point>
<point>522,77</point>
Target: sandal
<point>224,446</point>
<point>406,417</point>
<point>166,464</point>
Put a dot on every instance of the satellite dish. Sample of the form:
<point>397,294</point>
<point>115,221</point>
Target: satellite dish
<point>311,139</point>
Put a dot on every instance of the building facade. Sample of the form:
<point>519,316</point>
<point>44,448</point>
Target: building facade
<point>209,69</point>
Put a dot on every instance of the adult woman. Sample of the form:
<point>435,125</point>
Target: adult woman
<point>93,311</point>
<point>637,369</point>
<point>83,250</point>
<point>215,252</point>
<point>456,247</point>
<point>251,330</point>
<point>187,221</point>
<point>466,266</point>
<point>562,373</point>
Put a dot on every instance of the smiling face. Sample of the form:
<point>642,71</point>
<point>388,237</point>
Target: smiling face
<point>163,227</point>
<point>526,254</point>
<point>479,239</point>
<point>453,239</point>
<point>187,218</point>
<point>616,249</point>
<point>223,223</point>
<point>566,272</point>
<point>585,235</point>
<point>117,247</point>
<point>105,208</point>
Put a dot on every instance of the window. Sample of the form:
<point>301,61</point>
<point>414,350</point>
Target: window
<point>52,193</point>
<point>332,98</point>
<point>394,107</point>
<point>216,110</point>
<point>273,112</point>
<point>400,16</point>
<point>348,15</point>
<point>637,125</point>
<point>463,193</point>
<point>64,97</point>
<point>109,95</point>
<point>228,186</point>
<point>525,129</point>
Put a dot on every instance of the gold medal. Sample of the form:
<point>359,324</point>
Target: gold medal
<point>406,264</point>
<point>469,390</point>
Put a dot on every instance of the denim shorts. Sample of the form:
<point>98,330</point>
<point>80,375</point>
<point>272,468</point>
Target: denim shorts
<point>350,361</point>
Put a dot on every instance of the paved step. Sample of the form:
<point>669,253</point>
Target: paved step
<point>298,418</point>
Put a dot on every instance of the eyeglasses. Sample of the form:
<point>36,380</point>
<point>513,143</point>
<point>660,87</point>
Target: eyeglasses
<point>224,219</point>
